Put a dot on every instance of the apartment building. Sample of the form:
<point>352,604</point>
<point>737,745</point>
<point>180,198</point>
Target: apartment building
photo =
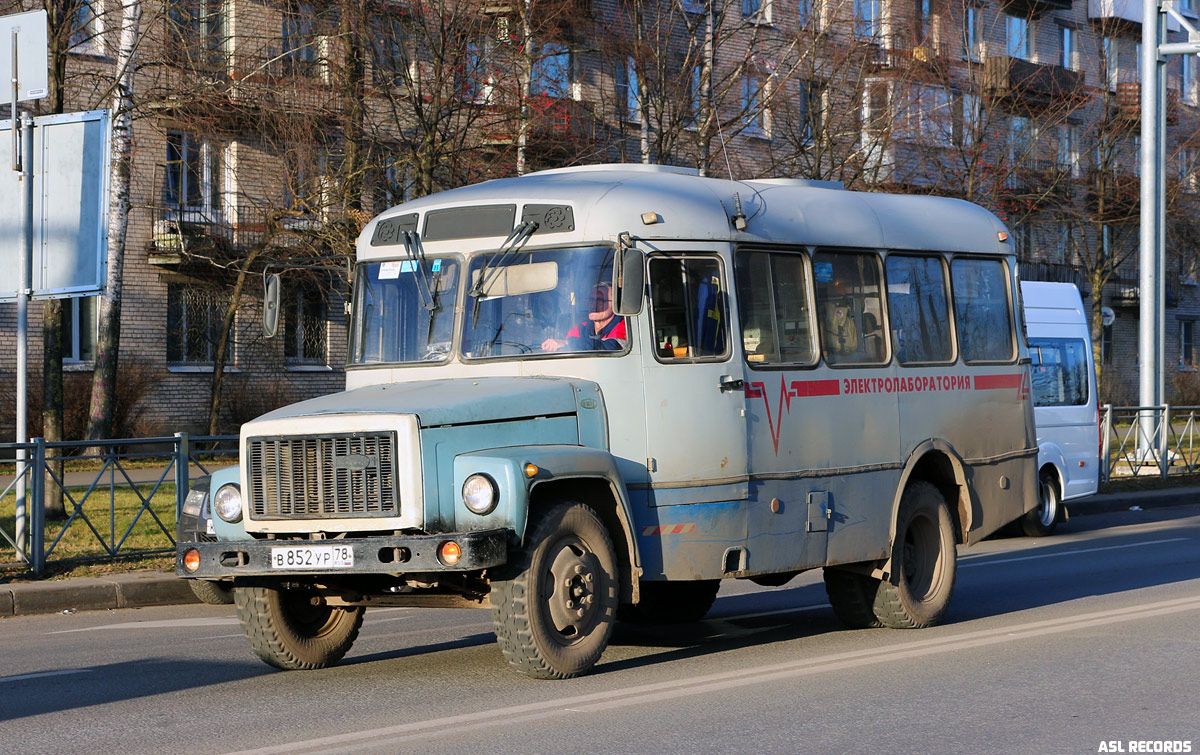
<point>271,130</point>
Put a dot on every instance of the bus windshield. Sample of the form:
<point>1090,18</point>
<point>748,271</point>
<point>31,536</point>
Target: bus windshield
<point>549,301</point>
<point>404,311</point>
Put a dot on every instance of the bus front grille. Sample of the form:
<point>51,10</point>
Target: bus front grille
<point>322,476</point>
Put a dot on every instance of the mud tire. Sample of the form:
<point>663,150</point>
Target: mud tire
<point>924,562</point>
<point>1041,521</point>
<point>852,596</point>
<point>555,603</point>
<point>288,631</point>
<point>212,592</point>
<point>672,602</point>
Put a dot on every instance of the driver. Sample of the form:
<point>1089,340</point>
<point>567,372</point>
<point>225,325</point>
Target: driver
<point>602,331</point>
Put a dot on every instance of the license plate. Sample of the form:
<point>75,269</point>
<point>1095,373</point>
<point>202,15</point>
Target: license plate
<point>312,557</point>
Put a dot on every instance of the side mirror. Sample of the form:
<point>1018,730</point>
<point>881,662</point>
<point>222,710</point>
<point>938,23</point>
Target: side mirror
<point>271,305</point>
<point>629,281</point>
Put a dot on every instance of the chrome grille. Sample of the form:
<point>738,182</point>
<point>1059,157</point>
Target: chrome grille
<point>322,476</point>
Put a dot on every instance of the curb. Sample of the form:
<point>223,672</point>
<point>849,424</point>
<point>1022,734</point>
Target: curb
<point>131,590</point>
<point>141,589</point>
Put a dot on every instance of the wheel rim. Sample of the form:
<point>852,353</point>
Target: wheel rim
<point>306,618</point>
<point>1047,503</point>
<point>922,558</point>
<point>572,585</point>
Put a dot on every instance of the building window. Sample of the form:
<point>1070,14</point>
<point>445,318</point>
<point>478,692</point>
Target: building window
<point>923,116</point>
<point>475,80</point>
<point>388,58</point>
<point>1187,170</point>
<point>757,11</point>
<point>194,315</point>
<point>693,97</point>
<point>754,105</point>
<point>1020,37</point>
<point>195,31</point>
<point>1187,345</point>
<point>808,109</point>
<point>1110,51</point>
<point>1066,148</point>
<point>80,329</point>
<point>628,91</point>
<point>804,12</point>
<point>305,328</point>
<point>973,33</point>
<point>1066,57</point>
<point>1023,240</point>
<point>921,18</point>
<point>192,177</point>
<point>1106,343</point>
<point>1187,78</point>
<point>86,28</point>
<point>551,75</point>
<point>298,40</point>
<point>868,19</point>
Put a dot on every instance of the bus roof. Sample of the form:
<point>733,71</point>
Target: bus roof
<point>664,202</point>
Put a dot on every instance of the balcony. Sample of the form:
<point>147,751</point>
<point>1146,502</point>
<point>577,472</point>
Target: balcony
<point>1032,85</point>
<point>1128,104</point>
<point>552,120</point>
<point>1034,8</point>
<point>1124,12</point>
<point>902,53</point>
<point>180,233</point>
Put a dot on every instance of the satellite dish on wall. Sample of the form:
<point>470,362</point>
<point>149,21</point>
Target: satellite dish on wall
<point>271,305</point>
<point>1107,316</point>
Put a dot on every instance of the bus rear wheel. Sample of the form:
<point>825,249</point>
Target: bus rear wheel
<point>554,605</point>
<point>672,602</point>
<point>292,628</point>
<point>924,562</point>
<point>852,596</point>
<point>1041,521</point>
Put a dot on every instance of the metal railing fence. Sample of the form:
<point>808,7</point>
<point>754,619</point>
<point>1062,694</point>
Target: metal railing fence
<point>123,502</point>
<point>1140,441</point>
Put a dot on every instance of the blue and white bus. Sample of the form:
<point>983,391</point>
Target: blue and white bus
<point>603,390</point>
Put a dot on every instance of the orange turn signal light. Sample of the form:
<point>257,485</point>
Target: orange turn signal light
<point>191,560</point>
<point>531,470</point>
<point>449,553</point>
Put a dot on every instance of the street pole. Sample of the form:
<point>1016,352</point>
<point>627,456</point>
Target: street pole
<point>24,289</point>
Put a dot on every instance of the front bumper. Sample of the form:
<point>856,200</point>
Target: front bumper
<point>404,554</point>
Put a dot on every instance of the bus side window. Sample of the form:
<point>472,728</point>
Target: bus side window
<point>688,308</point>
<point>919,306</point>
<point>775,311</point>
<point>849,307</point>
<point>981,310</point>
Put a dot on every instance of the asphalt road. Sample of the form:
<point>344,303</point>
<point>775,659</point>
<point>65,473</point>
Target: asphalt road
<point>1072,644</point>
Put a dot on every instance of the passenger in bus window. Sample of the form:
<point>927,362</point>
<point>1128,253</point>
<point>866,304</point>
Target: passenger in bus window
<point>602,331</point>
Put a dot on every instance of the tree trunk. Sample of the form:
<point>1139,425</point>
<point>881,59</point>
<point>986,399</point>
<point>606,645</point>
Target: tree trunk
<point>52,402</point>
<point>227,325</point>
<point>104,377</point>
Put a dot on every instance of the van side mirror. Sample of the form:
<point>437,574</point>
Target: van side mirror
<point>271,305</point>
<point>629,281</point>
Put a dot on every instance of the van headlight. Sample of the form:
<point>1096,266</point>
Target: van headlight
<point>194,501</point>
<point>480,494</point>
<point>228,503</point>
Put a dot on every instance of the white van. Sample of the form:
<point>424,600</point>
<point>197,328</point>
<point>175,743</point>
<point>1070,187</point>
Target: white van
<point>1064,394</point>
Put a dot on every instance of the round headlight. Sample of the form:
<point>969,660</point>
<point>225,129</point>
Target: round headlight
<point>480,494</point>
<point>228,503</point>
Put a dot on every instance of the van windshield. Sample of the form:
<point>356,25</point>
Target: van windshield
<point>544,302</point>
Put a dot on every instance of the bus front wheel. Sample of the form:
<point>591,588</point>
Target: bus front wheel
<point>292,628</point>
<point>924,564</point>
<point>554,605</point>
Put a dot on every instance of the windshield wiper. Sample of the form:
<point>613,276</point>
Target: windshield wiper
<point>511,246</point>
<point>412,246</point>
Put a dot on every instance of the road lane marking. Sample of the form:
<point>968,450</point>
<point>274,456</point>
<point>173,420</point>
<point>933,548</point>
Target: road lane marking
<point>162,624</point>
<point>43,674</point>
<point>668,690</point>
<point>984,561</point>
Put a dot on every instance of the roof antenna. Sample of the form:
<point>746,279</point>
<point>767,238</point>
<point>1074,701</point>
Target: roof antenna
<point>721,136</point>
<point>739,217</point>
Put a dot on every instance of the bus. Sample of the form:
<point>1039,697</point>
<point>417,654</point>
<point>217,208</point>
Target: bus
<point>594,393</point>
<point>1065,408</point>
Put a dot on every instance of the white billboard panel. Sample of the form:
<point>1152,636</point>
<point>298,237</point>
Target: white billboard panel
<point>28,32</point>
<point>70,206</point>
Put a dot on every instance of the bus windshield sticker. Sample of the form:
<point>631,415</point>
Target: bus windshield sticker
<point>823,272</point>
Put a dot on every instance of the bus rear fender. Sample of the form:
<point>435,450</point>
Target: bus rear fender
<point>936,462</point>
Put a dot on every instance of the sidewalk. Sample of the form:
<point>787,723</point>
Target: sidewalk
<point>139,589</point>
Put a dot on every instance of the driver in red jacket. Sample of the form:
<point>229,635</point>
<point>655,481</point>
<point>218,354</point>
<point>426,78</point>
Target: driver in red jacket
<point>602,331</point>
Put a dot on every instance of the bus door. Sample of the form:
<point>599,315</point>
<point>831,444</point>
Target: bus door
<point>823,427</point>
<point>695,423</point>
